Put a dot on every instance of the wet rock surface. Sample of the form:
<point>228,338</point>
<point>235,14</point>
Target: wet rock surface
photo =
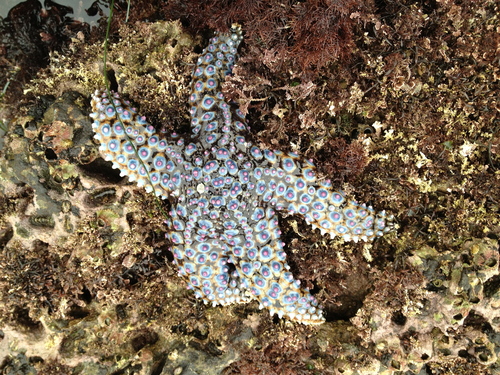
<point>86,283</point>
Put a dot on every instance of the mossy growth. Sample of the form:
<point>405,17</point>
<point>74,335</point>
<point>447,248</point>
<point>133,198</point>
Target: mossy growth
<point>409,123</point>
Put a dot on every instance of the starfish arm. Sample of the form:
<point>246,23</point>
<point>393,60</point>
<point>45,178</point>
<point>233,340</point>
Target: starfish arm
<point>289,183</point>
<point>202,254</point>
<point>206,268</point>
<point>211,115</point>
<point>134,147</point>
<point>235,257</point>
<point>260,262</point>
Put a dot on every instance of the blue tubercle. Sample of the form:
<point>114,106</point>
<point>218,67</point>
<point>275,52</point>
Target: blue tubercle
<point>226,192</point>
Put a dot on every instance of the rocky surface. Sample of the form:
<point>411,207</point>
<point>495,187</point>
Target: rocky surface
<point>409,122</point>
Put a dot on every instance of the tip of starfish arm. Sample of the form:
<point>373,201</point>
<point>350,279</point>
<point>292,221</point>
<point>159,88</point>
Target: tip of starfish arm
<point>308,319</point>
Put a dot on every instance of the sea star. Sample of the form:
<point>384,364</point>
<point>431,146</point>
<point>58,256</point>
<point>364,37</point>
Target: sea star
<point>225,192</point>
